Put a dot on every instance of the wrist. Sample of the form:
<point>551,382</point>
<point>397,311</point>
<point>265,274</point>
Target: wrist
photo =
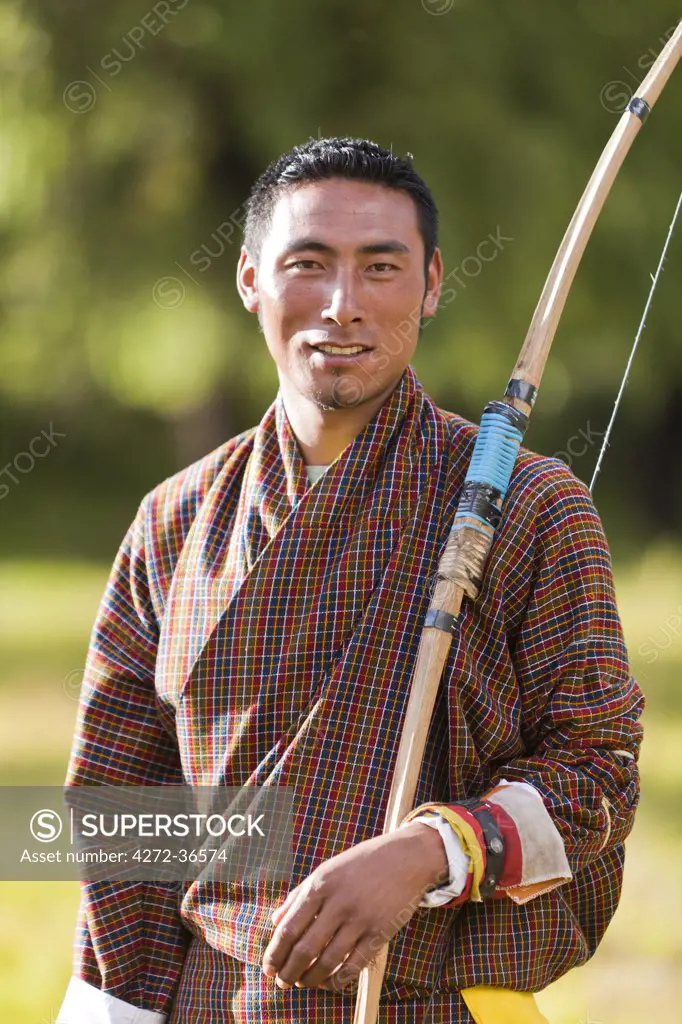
<point>490,841</point>
<point>432,853</point>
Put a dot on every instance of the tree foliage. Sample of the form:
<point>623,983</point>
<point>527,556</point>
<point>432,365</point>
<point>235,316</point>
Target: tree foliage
<point>130,136</point>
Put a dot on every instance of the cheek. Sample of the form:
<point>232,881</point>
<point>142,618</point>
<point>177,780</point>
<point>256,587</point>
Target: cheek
<point>289,300</point>
<point>400,312</point>
<point>412,298</point>
<point>398,300</point>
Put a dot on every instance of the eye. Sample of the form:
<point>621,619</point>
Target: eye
<point>304,264</point>
<point>386,266</point>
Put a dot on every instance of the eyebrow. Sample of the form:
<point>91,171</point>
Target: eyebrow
<point>314,245</point>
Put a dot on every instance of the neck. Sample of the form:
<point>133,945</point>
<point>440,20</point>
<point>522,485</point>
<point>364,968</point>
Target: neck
<point>323,433</point>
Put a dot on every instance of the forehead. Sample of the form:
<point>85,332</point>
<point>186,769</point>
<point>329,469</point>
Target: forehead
<point>339,211</point>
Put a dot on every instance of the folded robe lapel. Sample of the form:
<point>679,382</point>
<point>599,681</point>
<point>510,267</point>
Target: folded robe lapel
<point>275,576</point>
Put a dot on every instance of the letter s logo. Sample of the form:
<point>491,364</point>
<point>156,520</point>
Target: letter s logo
<point>46,826</point>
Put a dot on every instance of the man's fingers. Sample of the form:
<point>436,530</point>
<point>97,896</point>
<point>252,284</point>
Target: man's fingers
<point>279,911</point>
<point>309,946</point>
<point>366,949</point>
<point>299,916</point>
<point>333,954</point>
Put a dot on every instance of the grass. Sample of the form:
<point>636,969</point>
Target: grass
<point>46,613</point>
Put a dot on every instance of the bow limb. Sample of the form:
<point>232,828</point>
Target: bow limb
<point>462,565</point>
<point>533,356</point>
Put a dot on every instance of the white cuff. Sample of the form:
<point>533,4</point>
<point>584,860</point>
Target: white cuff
<point>458,861</point>
<point>542,848</point>
<point>86,1004</point>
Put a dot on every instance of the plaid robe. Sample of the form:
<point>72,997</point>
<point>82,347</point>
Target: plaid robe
<point>259,631</point>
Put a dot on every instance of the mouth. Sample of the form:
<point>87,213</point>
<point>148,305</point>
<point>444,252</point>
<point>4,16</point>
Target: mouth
<point>331,352</point>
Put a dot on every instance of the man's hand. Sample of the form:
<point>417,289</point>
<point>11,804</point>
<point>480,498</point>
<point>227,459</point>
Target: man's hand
<point>351,906</point>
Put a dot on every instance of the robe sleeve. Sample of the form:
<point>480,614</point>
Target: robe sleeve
<point>581,706</point>
<point>130,942</point>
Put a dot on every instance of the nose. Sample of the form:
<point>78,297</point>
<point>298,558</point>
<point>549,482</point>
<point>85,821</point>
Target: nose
<point>344,306</point>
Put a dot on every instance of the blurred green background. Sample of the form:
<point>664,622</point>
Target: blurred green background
<point>129,137</point>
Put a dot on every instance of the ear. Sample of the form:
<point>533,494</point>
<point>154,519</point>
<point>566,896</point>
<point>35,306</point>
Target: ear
<point>247,281</point>
<point>433,284</point>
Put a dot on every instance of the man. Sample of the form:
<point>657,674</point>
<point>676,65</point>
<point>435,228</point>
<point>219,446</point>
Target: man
<point>261,626</point>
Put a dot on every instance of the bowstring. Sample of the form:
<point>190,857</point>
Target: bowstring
<point>642,323</point>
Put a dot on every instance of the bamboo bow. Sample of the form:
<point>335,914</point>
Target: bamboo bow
<point>462,565</point>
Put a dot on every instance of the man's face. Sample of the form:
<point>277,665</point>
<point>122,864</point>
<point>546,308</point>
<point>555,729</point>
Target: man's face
<point>342,263</point>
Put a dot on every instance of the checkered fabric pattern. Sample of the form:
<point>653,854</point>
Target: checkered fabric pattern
<point>256,631</point>
<point>217,988</point>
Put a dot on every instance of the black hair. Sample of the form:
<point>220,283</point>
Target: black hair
<point>340,157</point>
